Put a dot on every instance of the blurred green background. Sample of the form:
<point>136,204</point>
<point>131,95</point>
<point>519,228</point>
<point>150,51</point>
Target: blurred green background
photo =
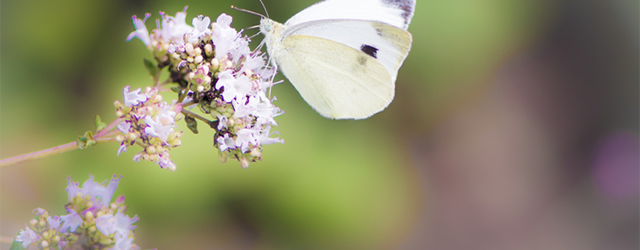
<point>514,126</point>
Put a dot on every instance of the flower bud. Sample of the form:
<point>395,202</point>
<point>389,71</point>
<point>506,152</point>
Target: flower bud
<point>208,49</point>
<point>151,150</point>
<point>244,163</point>
<point>44,243</point>
<point>188,48</point>
<point>120,200</point>
<point>154,157</point>
<point>132,136</point>
<point>215,63</point>
<point>120,138</point>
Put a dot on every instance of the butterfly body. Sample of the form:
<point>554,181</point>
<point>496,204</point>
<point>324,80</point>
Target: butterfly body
<point>343,55</point>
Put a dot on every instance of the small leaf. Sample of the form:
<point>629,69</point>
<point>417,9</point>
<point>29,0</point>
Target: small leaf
<point>152,69</point>
<point>99,124</point>
<point>16,245</point>
<point>192,124</point>
<point>175,89</point>
<point>86,140</point>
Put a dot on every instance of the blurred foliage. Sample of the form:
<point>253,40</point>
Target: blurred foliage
<point>333,184</point>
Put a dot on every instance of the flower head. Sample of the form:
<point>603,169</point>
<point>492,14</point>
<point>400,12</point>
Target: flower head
<point>141,30</point>
<point>213,68</point>
<point>97,225</point>
<point>99,192</point>
<point>27,236</point>
<point>133,98</point>
<point>54,222</point>
<point>149,121</point>
<point>71,221</point>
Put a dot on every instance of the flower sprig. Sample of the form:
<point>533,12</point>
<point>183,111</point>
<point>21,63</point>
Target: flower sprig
<point>212,68</point>
<point>150,123</point>
<point>218,80</point>
<point>92,221</point>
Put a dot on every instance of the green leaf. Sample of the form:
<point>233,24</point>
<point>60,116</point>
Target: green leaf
<point>99,124</point>
<point>86,140</point>
<point>175,89</point>
<point>192,124</point>
<point>152,68</point>
<point>16,245</point>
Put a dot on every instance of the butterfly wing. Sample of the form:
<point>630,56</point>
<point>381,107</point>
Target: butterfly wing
<point>397,13</point>
<point>340,82</point>
<point>387,44</point>
<point>343,55</point>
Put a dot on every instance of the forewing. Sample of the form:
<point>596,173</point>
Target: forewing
<point>397,13</point>
<point>385,43</point>
<point>336,80</point>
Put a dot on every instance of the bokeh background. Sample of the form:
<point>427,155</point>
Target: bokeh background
<point>514,126</point>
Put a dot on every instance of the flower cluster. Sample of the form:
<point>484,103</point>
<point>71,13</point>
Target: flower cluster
<point>215,70</point>
<point>149,122</point>
<point>91,220</point>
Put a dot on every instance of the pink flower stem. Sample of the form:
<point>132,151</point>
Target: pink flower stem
<point>59,149</point>
<point>108,128</point>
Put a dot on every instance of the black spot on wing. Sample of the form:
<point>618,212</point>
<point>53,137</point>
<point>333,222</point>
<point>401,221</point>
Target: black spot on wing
<point>406,6</point>
<point>362,60</point>
<point>369,50</point>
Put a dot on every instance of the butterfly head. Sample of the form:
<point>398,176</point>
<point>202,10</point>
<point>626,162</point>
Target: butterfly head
<point>271,29</point>
<point>266,25</point>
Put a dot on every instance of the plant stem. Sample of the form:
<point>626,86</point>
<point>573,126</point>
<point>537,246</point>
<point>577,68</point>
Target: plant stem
<point>108,128</point>
<point>62,148</point>
<point>47,152</point>
<point>212,124</point>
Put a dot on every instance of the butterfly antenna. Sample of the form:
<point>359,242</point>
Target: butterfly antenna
<point>253,27</point>
<point>248,11</point>
<point>251,37</point>
<point>264,8</point>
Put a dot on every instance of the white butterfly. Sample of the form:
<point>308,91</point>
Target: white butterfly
<point>343,56</point>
